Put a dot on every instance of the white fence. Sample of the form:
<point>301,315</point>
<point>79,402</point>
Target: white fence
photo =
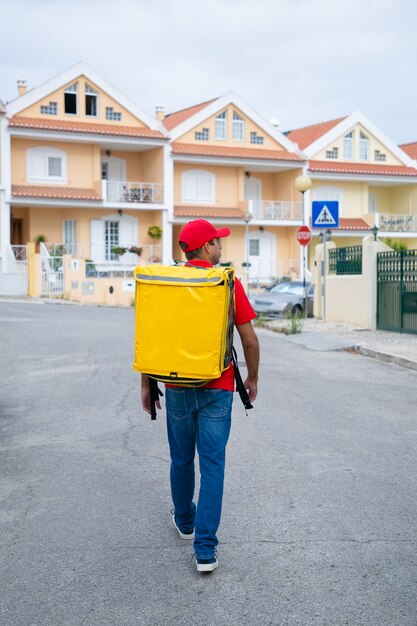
<point>277,210</point>
<point>14,271</point>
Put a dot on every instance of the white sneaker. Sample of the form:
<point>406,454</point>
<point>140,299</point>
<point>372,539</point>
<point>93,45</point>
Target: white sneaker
<point>206,565</point>
<point>189,535</point>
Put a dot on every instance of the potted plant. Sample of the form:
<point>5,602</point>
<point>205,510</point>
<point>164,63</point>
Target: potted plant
<point>38,240</point>
<point>155,232</point>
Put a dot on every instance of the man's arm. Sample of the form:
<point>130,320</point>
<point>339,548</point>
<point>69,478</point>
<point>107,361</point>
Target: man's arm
<point>250,345</point>
<point>146,395</point>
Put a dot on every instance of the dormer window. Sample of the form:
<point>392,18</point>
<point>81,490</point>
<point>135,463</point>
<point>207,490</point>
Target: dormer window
<point>348,146</point>
<point>70,99</point>
<point>238,127</point>
<point>333,153</point>
<point>220,126</point>
<point>363,147</point>
<point>91,101</point>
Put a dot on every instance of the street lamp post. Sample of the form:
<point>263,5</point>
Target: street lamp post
<point>247,216</point>
<point>303,184</point>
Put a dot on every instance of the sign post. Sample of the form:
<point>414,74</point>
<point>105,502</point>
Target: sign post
<point>325,214</point>
<point>304,238</point>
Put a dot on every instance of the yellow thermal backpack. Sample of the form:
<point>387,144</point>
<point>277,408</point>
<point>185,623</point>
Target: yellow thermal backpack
<point>184,320</point>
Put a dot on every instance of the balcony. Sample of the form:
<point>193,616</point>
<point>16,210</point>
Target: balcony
<point>131,192</point>
<point>396,222</point>
<point>276,210</point>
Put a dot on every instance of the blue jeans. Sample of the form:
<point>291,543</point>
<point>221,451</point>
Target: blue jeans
<point>198,417</point>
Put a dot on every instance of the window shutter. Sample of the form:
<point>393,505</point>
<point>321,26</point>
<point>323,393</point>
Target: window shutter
<point>97,240</point>
<point>128,236</point>
<point>37,166</point>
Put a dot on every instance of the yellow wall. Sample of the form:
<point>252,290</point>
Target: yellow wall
<point>48,221</point>
<point>230,184</point>
<point>374,144</point>
<point>104,101</point>
<point>83,162</point>
<point>249,126</point>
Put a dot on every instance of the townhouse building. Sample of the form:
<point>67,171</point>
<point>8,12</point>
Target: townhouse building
<point>374,180</point>
<point>83,171</point>
<point>231,166</point>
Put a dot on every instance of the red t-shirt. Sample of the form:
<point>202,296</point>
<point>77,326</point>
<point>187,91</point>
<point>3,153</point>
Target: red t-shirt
<point>244,313</point>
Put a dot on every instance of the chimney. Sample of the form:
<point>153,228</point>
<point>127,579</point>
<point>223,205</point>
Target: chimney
<point>21,86</point>
<point>160,112</point>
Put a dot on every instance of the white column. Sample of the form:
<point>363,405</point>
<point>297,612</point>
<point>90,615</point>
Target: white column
<point>168,213</point>
<point>5,185</point>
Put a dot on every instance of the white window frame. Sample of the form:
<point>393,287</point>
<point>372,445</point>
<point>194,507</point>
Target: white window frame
<point>71,90</point>
<point>332,153</point>
<point>49,109</point>
<point>69,236</point>
<point>348,146</point>
<point>238,132</point>
<point>256,139</point>
<point>38,165</point>
<point>331,193</point>
<point>202,135</point>
<point>220,126</point>
<point>112,115</point>
<point>380,157</point>
<point>191,180</point>
<point>363,146</point>
<point>89,91</point>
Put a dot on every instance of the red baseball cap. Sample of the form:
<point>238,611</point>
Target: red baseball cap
<point>198,232</point>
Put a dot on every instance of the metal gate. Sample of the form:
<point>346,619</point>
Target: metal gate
<point>14,271</point>
<point>52,270</point>
<point>397,291</point>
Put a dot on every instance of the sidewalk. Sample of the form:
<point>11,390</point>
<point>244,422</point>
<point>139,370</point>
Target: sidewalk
<point>318,335</point>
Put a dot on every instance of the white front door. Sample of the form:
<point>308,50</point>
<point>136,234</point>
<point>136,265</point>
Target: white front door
<point>114,171</point>
<point>261,256</point>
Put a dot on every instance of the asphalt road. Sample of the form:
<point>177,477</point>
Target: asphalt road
<point>319,522</point>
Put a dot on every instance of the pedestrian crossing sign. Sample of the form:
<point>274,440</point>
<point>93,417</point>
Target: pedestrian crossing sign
<point>325,214</point>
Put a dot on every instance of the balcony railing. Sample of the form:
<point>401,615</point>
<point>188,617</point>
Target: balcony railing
<point>276,210</point>
<point>124,191</point>
<point>396,222</point>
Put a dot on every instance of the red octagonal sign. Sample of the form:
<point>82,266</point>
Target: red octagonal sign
<point>304,235</point>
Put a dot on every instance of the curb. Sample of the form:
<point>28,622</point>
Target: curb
<point>384,356</point>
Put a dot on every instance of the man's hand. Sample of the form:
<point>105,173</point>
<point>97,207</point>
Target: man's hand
<point>251,387</point>
<point>146,395</point>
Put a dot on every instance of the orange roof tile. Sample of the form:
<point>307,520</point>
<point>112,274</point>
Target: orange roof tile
<point>173,119</point>
<point>361,168</point>
<point>309,134</point>
<point>61,193</point>
<point>232,152</point>
<point>348,223</point>
<point>205,211</point>
<point>84,127</point>
<point>410,149</point>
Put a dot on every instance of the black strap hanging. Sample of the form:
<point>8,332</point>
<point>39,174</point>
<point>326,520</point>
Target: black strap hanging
<point>240,388</point>
<point>154,393</point>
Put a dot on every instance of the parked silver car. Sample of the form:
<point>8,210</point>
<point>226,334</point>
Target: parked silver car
<point>284,299</point>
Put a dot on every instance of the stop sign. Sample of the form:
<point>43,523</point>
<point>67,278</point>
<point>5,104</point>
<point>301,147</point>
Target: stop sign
<point>304,235</point>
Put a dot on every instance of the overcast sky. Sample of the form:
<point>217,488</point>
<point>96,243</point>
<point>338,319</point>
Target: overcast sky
<point>300,61</point>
